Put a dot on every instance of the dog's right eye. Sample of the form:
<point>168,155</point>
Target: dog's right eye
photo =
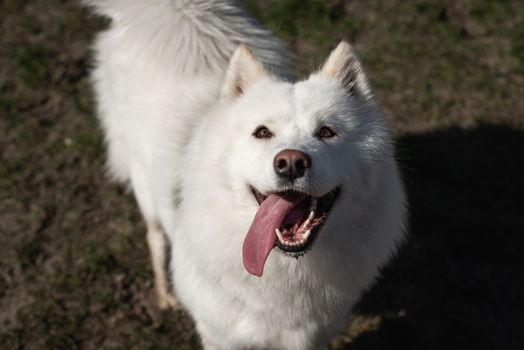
<point>262,132</point>
<point>325,132</point>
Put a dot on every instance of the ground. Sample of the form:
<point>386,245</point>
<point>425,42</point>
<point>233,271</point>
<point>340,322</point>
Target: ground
<point>74,269</point>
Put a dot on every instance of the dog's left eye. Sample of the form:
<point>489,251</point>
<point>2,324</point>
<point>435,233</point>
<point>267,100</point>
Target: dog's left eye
<point>325,132</point>
<point>262,133</point>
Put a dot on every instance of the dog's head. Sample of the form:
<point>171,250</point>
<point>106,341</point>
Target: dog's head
<point>299,152</point>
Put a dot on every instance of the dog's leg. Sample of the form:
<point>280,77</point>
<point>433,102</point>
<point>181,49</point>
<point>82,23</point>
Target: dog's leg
<point>208,345</point>
<point>208,338</point>
<point>157,246</point>
<point>156,238</point>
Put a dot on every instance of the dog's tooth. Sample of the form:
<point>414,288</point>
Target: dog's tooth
<point>305,236</point>
<point>306,223</point>
<point>313,206</point>
<point>279,235</point>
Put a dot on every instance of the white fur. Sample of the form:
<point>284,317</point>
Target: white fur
<point>190,157</point>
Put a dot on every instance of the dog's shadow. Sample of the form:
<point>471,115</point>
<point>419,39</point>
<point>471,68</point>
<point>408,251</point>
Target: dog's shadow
<point>458,283</point>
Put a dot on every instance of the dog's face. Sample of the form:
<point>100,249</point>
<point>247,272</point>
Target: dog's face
<point>299,149</point>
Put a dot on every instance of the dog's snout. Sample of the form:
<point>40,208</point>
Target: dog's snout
<point>291,164</point>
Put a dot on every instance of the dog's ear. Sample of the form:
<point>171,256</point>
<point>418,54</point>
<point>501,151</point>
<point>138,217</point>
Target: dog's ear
<point>344,65</point>
<point>243,71</point>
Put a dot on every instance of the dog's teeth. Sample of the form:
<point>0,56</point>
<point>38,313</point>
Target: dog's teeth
<point>305,224</point>
<point>313,207</point>
<point>308,221</point>
<point>305,236</point>
<point>279,235</point>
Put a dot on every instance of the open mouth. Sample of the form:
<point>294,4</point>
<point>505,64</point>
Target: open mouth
<point>289,220</point>
<point>302,224</point>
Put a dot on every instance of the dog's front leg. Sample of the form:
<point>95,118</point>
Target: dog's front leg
<point>157,242</point>
<point>209,345</point>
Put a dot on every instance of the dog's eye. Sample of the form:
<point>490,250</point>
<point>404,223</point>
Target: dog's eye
<point>325,132</point>
<point>262,133</point>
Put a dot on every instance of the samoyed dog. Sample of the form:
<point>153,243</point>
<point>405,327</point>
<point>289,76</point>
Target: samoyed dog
<point>279,201</point>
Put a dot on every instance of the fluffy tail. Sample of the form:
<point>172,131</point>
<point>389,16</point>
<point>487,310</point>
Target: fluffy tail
<point>109,8</point>
<point>198,33</point>
<point>102,7</point>
<point>120,9</point>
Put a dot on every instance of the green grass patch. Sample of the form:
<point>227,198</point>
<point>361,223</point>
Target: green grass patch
<point>33,65</point>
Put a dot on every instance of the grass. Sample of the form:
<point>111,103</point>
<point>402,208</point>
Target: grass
<point>74,268</point>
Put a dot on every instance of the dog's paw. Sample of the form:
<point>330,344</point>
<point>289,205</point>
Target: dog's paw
<point>167,301</point>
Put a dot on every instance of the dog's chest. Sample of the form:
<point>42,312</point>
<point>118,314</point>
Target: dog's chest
<point>267,314</point>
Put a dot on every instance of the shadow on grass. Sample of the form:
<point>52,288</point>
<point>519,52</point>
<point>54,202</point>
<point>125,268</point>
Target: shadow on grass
<point>459,282</point>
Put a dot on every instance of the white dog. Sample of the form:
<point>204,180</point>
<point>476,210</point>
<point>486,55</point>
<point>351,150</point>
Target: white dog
<point>280,200</point>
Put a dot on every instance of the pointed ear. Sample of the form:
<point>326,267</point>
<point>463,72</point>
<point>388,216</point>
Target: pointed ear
<point>344,65</point>
<point>243,71</point>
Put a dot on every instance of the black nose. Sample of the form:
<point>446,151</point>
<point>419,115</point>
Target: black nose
<point>291,164</point>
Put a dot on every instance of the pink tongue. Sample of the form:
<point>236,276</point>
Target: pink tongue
<point>261,237</point>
